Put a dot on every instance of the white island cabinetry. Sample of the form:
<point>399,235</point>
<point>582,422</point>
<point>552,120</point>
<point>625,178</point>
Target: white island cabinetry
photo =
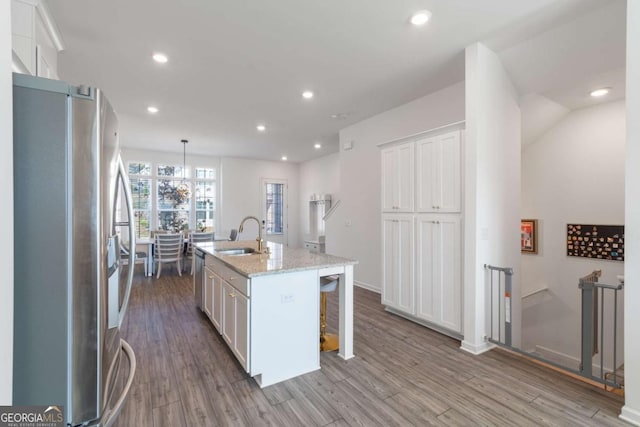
<point>207,292</point>
<point>266,307</point>
<point>235,324</point>
<point>227,304</point>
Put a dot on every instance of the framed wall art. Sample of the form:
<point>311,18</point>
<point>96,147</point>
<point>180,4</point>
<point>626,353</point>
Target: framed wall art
<point>596,241</point>
<point>529,236</point>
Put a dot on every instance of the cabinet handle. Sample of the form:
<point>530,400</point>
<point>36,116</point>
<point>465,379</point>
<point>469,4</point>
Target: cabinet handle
<point>232,295</point>
<point>232,278</point>
<point>210,277</point>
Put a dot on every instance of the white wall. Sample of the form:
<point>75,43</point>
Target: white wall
<point>241,194</point>
<point>318,176</point>
<point>492,188</point>
<point>573,174</point>
<point>6,214</point>
<point>631,409</point>
<point>354,229</point>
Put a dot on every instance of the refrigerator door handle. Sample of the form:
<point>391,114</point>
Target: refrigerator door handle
<point>110,417</point>
<point>122,177</point>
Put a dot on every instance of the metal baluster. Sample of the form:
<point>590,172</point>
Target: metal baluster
<point>491,297</point>
<point>615,335</point>
<point>602,333</point>
<point>507,291</point>
<point>499,309</point>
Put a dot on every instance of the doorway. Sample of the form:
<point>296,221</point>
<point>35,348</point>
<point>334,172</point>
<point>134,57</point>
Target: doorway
<point>275,208</point>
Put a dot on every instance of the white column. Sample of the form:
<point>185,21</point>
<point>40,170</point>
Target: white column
<point>492,189</point>
<point>345,288</point>
<point>631,409</point>
<point>6,213</point>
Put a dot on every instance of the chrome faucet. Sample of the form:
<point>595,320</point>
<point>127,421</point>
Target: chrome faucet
<point>259,239</point>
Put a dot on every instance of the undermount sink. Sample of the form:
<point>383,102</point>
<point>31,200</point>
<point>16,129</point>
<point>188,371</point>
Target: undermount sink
<point>236,251</point>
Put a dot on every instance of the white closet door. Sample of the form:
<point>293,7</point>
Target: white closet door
<point>398,290</point>
<point>388,179</point>
<point>404,173</point>
<point>450,280</point>
<point>449,180</point>
<point>427,261</point>
<point>427,175</point>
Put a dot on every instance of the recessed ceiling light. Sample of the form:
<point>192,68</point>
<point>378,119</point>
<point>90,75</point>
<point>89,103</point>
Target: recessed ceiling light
<point>261,128</point>
<point>307,94</point>
<point>284,158</point>
<point>152,110</point>
<point>600,92</point>
<point>317,146</point>
<point>160,57</point>
<point>420,18</point>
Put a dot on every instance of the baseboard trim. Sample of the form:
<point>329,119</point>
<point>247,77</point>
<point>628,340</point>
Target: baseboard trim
<point>424,323</point>
<point>476,349</point>
<point>630,415</point>
<point>566,360</point>
<point>367,286</point>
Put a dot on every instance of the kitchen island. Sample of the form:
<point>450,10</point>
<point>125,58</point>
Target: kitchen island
<point>266,306</point>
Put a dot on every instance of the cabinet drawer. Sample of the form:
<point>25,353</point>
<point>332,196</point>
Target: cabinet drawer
<point>234,278</point>
<point>238,281</point>
<point>211,262</point>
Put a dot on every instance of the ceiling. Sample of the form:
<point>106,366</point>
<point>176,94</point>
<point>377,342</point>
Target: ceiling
<point>236,63</point>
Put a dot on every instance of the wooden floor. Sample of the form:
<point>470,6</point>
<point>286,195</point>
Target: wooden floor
<point>403,374</point>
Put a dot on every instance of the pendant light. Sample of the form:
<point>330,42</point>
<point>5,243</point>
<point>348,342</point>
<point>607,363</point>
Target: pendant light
<point>184,157</point>
<point>183,188</point>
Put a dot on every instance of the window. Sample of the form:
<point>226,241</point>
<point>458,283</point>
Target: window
<point>274,208</point>
<point>174,198</point>
<point>181,202</point>
<point>140,181</point>
<point>205,197</point>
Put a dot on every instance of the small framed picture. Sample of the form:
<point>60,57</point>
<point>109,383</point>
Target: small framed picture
<point>529,236</point>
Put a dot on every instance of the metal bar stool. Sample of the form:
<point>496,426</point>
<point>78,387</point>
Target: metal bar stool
<point>328,342</point>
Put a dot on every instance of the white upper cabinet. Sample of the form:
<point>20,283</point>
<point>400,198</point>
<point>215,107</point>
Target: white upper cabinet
<point>397,178</point>
<point>23,34</point>
<point>439,173</point>
<point>36,40</point>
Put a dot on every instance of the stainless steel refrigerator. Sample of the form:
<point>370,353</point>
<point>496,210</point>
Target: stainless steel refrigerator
<point>71,285</point>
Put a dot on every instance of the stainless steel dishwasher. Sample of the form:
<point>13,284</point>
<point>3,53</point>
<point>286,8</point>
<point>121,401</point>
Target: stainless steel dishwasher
<point>198,276</point>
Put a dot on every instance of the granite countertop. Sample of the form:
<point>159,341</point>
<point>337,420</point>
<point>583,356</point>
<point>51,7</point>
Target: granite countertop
<point>281,259</point>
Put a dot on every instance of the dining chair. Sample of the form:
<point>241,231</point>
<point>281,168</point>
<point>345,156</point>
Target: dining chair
<point>168,248</point>
<point>196,237</point>
<point>233,236</point>
<point>141,257</point>
<point>159,231</point>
